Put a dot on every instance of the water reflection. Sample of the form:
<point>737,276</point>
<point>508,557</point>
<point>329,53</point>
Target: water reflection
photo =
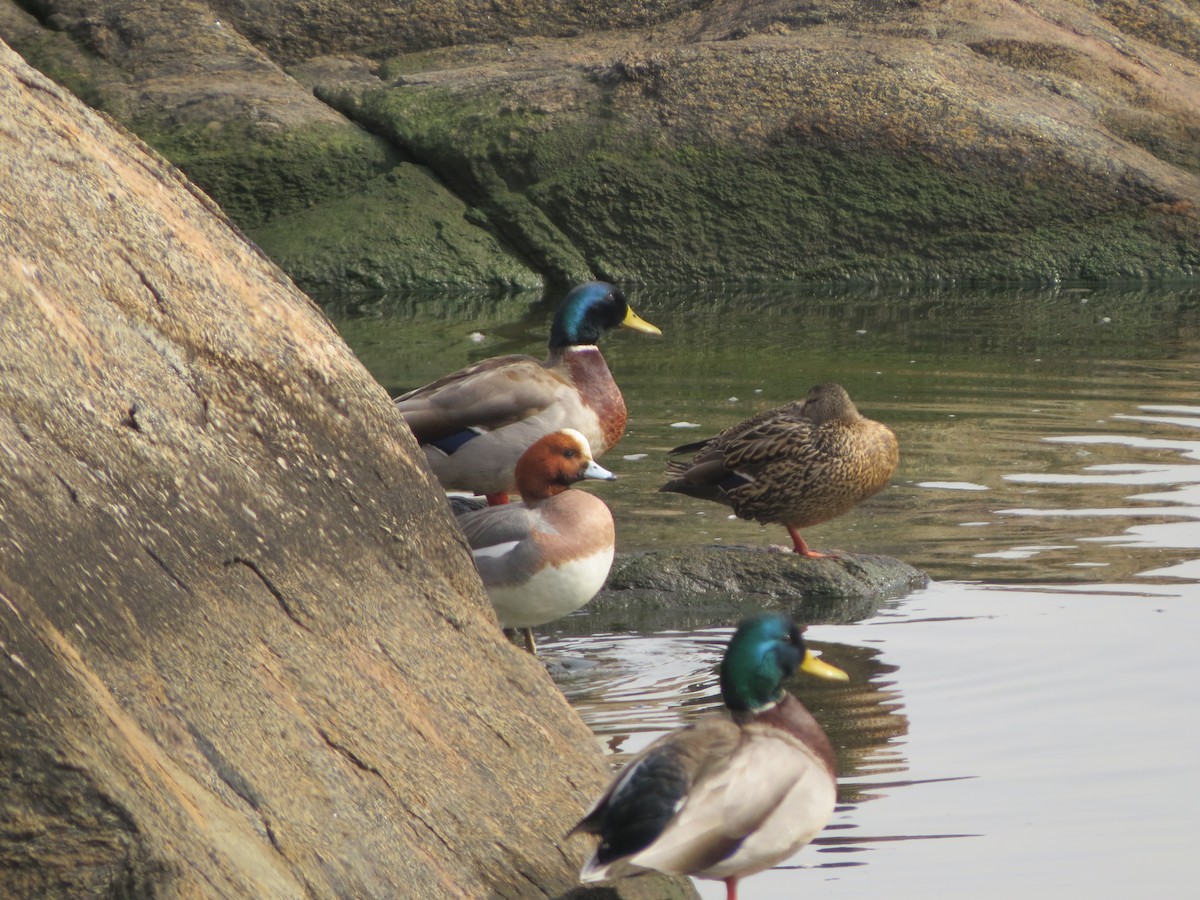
<point>1183,502</point>
<point>1082,491</point>
<point>1036,693</point>
<point>632,688</point>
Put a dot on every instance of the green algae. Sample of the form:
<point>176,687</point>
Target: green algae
<point>470,144</point>
<point>401,229</point>
<point>57,56</point>
<point>339,209</point>
<point>637,205</point>
<point>258,174</point>
<point>662,165</point>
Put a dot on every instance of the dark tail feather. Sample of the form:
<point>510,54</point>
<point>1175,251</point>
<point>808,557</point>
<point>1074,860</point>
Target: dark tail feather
<point>459,505</point>
<point>677,468</point>
<point>693,447</point>
<point>703,491</point>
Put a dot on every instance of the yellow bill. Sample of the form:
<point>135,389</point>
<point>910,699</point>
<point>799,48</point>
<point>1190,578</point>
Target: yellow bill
<point>813,665</point>
<point>637,323</point>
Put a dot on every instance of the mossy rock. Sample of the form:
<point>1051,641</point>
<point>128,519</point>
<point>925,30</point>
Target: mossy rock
<point>259,174</point>
<point>620,168</point>
<point>670,141</point>
<point>471,140</point>
<point>400,229</point>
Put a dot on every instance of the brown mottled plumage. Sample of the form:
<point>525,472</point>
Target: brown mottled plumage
<point>796,465</point>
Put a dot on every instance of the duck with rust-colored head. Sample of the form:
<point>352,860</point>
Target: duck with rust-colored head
<point>796,465</point>
<point>474,424</point>
<point>728,796</point>
<point>549,554</point>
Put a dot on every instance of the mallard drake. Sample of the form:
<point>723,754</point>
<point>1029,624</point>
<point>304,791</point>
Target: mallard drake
<point>727,796</point>
<point>549,554</point>
<point>476,423</point>
<point>796,465</point>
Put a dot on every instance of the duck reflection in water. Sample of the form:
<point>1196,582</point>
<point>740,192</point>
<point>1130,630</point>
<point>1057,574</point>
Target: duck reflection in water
<point>638,686</point>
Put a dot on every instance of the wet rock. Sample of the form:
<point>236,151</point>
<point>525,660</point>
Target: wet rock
<point>698,586</point>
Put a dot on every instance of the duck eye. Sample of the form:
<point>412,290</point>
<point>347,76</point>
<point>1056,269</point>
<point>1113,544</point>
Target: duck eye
<point>569,453</point>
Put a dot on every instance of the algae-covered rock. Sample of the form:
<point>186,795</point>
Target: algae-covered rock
<point>338,207</point>
<point>294,30</point>
<point>821,153</point>
<point>669,141</point>
<point>402,229</point>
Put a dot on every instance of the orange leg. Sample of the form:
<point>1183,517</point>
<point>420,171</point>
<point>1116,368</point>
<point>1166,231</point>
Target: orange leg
<point>496,499</point>
<point>731,889</point>
<point>802,548</point>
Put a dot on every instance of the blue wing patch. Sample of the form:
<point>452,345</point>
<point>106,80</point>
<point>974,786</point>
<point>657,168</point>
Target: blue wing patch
<point>732,481</point>
<point>453,442</point>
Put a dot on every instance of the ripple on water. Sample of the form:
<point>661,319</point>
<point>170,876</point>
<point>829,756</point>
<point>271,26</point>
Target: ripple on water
<point>1182,501</point>
<point>638,687</point>
<point>1043,440</point>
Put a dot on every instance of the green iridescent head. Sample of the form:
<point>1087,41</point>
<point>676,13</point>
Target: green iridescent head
<point>763,652</point>
<point>589,310</point>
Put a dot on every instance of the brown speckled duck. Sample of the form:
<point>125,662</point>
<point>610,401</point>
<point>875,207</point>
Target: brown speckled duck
<point>796,465</point>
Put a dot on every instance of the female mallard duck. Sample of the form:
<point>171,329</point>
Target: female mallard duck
<point>795,465</point>
<point>549,554</point>
<point>474,424</point>
<point>726,797</point>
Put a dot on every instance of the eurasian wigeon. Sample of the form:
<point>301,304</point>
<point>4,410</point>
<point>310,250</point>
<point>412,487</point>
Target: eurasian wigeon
<point>549,554</point>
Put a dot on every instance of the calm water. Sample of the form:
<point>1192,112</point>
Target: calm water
<point>1028,722</point>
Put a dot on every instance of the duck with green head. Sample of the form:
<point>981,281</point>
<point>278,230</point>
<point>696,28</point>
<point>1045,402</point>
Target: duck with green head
<point>730,795</point>
<point>796,465</point>
<point>475,423</point>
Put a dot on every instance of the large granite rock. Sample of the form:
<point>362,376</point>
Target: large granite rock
<point>662,141</point>
<point>243,650</point>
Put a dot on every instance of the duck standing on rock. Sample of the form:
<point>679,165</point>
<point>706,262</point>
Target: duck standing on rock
<point>549,554</point>
<point>796,465</point>
<point>727,796</point>
<point>474,424</point>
